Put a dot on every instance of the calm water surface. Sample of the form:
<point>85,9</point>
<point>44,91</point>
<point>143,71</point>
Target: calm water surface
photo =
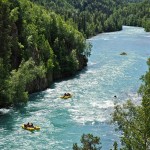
<point>63,122</point>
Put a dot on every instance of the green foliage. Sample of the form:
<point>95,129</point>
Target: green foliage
<point>5,33</point>
<point>92,17</point>
<point>30,31</point>
<point>89,142</point>
<point>87,51</point>
<point>146,24</point>
<point>88,17</point>
<point>18,80</point>
<point>14,14</point>
<point>136,14</point>
<point>145,87</point>
<point>3,76</point>
<point>134,121</point>
<point>73,61</point>
<point>52,39</point>
<point>115,145</point>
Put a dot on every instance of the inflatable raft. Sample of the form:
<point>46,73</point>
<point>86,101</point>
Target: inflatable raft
<point>30,128</point>
<point>66,97</point>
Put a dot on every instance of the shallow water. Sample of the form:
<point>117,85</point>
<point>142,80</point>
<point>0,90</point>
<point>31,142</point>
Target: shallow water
<point>63,122</point>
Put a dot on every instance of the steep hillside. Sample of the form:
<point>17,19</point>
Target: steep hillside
<point>93,17</point>
<point>39,44</point>
<point>36,47</point>
<point>89,17</point>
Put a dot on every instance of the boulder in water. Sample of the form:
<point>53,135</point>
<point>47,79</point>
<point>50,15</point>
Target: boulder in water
<point>123,53</point>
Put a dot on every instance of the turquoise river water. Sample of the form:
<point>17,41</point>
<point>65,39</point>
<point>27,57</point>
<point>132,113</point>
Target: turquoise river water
<point>63,122</point>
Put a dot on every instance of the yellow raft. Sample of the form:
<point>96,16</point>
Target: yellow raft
<point>31,128</point>
<point>66,97</point>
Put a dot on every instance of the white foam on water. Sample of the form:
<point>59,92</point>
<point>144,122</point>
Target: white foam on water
<point>148,36</point>
<point>90,63</point>
<point>106,39</point>
<point>5,111</point>
<point>135,98</point>
<point>91,111</point>
<point>104,104</point>
<point>133,30</point>
<point>62,122</point>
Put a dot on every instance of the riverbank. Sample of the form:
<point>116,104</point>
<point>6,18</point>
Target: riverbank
<point>63,122</point>
<point>41,84</point>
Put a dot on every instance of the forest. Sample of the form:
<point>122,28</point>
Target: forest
<point>36,46</point>
<point>42,40</point>
<point>45,40</point>
<point>93,17</point>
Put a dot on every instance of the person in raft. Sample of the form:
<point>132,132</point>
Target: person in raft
<point>29,125</point>
<point>67,94</point>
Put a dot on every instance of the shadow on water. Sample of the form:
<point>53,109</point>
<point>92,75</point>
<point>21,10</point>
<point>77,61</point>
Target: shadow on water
<point>8,117</point>
<point>76,76</point>
<point>37,96</point>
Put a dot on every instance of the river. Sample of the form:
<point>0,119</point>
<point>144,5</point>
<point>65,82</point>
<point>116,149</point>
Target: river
<point>63,122</point>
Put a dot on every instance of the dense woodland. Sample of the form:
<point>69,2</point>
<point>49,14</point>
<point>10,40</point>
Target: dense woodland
<point>44,40</point>
<point>35,45</point>
<point>96,16</point>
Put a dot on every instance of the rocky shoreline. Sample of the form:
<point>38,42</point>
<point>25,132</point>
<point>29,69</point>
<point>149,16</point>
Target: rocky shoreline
<point>41,84</point>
